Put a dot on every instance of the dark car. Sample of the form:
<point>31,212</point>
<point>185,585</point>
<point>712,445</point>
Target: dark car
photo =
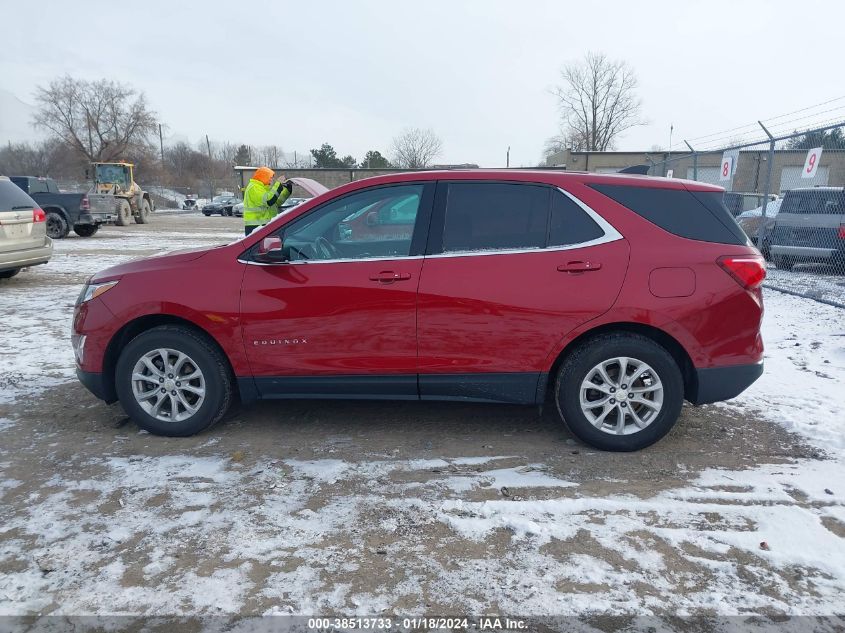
<point>66,211</point>
<point>222,204</point>
<point>617,296</point>
<point>810,227</point>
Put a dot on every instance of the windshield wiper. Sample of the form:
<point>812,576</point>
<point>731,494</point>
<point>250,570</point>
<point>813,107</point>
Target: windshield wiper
<point>26,206</point>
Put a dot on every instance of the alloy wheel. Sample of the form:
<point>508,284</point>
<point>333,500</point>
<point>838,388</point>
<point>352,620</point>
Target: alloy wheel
<point>168,385</point>
<point>621,395</point>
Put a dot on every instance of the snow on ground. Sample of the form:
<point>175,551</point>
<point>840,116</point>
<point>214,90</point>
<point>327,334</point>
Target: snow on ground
<point>810,280</point>
<point>199,532</point>
<point>803,386</point>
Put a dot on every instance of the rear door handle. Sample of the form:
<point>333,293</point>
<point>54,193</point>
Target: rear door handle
<point>389,276</point>
<point>579,267</point>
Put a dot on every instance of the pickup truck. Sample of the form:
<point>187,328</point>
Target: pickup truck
<point>82,212</point>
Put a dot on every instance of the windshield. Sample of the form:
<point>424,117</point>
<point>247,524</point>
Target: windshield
<point>111,174</point>
<point>221,199</point>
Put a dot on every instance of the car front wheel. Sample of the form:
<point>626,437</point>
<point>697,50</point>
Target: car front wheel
<point>619,392</point>
<point>173,381</point>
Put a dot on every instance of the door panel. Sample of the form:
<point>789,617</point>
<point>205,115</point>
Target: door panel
<point>507,312</point>
<point>333,318</point>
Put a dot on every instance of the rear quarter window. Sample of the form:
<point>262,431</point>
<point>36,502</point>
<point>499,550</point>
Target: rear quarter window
<point>695,215</point>
<point>12,196</point>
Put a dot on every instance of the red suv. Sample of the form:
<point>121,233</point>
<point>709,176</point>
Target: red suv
<point>618,295</point>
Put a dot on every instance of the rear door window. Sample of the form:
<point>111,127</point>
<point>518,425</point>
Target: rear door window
<point>495,216</point>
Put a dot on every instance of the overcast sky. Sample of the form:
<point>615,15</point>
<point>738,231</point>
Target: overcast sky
<point>354,74</point>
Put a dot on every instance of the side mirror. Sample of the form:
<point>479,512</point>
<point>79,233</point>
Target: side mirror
<point>271,251</point>
<point>372,218</point>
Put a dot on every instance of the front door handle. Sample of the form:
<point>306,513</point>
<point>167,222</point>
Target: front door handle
<point>389,276</point>
<point>579,267</point>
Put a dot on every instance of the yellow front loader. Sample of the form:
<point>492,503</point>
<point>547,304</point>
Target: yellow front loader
<point>117,180</point>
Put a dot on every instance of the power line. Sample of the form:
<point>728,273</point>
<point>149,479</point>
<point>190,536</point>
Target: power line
<point>780,116</point>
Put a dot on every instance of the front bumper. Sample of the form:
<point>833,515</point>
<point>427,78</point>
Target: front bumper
<point>715,384</point>
<point>94,382</point>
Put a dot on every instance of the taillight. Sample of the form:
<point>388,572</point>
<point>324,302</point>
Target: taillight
<point>841,232</point>
<point>38,215</point>
<point>748,270</point>
<point>85,205</point>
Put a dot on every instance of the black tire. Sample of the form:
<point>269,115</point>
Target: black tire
<point>208,359</point>
<point>207,213</point>
<point>124,213</point>
<point>86,230</point>
<point>143,216</point>
<point>8,274</point>
<point>57,226</point>
<point>784,263</point>
<point>577,367</point>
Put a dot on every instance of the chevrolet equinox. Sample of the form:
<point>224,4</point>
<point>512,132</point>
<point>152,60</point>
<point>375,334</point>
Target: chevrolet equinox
<point>617,296</point>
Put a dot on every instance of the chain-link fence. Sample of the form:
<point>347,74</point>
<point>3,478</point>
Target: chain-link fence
<point>787,193</point>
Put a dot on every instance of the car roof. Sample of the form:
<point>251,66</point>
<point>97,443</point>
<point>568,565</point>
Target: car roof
<point>806,189</point>
<point>546,176</point>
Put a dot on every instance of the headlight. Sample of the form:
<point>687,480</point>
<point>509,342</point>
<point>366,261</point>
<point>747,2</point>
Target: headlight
<point>92,291</point>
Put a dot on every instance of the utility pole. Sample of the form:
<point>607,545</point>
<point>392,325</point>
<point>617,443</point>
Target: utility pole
<point>210,168</point>
<point>508,158</point>
<point>161,144</point>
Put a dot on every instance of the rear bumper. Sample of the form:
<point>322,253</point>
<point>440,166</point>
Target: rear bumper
<point>808,252</point>
<point>715,384</point>
<point>93,382</point>
<point>29,257</point>
<point>95,218</point>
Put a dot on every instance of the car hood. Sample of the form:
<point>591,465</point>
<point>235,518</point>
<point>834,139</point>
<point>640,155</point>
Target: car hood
<point>311,186</point>
<point>156,262</point>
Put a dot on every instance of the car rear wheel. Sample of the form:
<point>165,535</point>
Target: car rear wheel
<point>619,392</point>
<point>144,214</point>
<point>124,213</point>
<point>57,226</point>
<point>8,274</point>
<point>173,381</point>
<point>85,230</point>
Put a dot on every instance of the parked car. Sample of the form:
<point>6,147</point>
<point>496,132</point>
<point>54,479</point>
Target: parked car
<point>66,211</point>
<point>238,209</point>
<point>738,202</point>
<point>189,203</point>
<point>750,221</point>
<point>222,204</point>
<point>23,231</point>
<point>810,227</point>
<point>618,296</point>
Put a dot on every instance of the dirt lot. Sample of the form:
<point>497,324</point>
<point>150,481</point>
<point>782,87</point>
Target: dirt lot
<point>380,508</point>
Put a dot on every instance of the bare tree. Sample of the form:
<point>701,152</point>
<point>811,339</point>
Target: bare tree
<point>101,120</point>
<point>415,148</point>
<point>598,102</point>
